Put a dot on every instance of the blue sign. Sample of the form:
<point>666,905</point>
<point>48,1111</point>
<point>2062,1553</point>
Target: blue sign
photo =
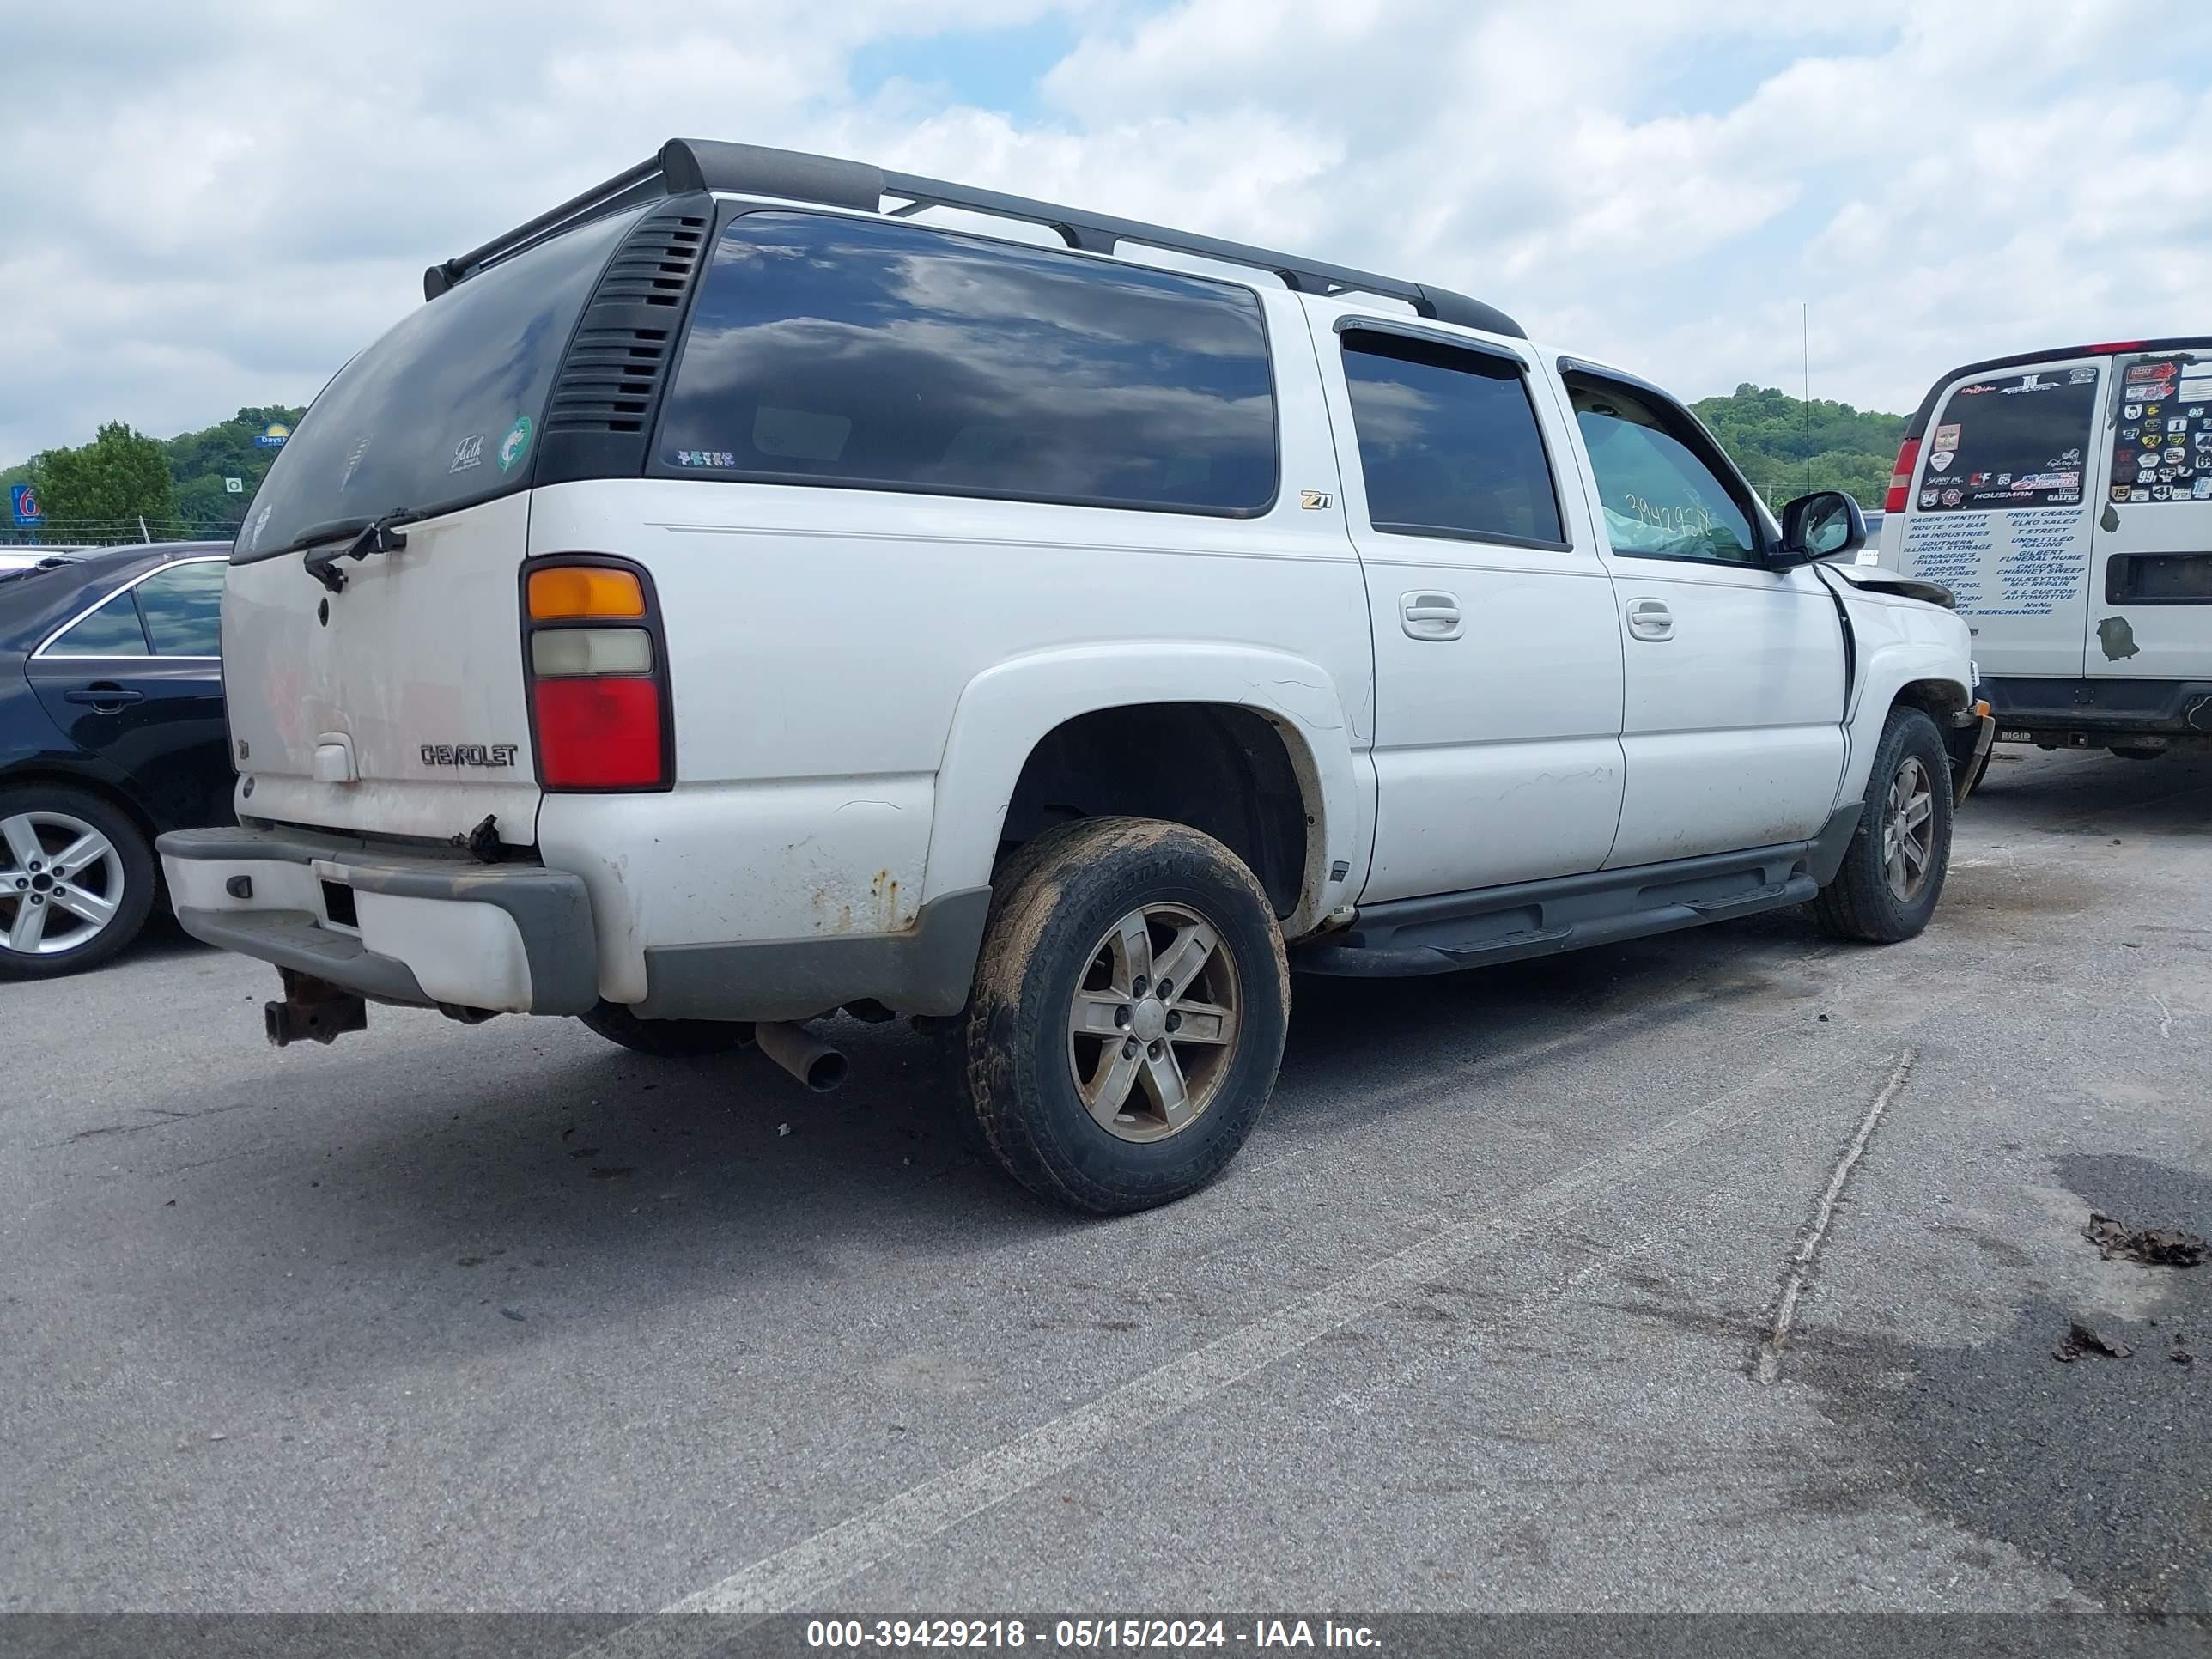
<point>272,436</point>
<point>25,503</point>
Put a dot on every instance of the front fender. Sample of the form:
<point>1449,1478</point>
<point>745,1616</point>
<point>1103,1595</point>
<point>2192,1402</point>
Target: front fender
<point>1898,644</point>
<point>1006,710</point>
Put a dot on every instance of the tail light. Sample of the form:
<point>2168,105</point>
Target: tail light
<point>1900,477</point>
<point>598,664</point>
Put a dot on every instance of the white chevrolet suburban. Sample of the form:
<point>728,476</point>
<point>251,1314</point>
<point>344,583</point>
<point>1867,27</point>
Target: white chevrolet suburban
<point>731,599</point>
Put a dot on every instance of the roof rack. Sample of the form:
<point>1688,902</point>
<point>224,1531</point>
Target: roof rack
<point>684,166</point>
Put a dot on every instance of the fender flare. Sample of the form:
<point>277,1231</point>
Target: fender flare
<point>1884,671</point>
<point>1006,711</point>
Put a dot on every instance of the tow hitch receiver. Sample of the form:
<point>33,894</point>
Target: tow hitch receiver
<point>313,1009</point>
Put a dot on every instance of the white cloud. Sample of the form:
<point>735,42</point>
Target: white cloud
<point>212,206</point>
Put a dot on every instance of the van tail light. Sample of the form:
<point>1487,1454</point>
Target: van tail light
<point>599,708</point>
<point>1900,477</point>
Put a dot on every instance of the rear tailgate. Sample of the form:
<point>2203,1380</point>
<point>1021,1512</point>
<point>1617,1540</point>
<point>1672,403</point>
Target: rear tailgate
<point>396,706</point>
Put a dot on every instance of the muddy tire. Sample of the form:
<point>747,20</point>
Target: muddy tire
<point>668,1039</point>
<point>1128,1014</point>
<point>1891,877</point>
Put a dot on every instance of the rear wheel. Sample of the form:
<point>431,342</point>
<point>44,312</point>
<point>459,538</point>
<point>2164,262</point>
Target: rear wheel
<point>1128,1015</point>
<point>668,1039</point>
<point>76,881</point>
<point>1893,872</point>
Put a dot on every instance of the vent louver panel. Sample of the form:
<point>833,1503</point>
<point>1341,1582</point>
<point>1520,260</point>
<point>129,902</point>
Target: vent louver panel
<point>609,386</point>
<point>609,381</point>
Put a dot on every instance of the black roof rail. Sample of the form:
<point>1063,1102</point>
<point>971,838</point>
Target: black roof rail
<point>684,166</point>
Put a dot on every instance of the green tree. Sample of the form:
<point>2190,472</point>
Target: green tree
<point>1767,432</point>
<point>119,474</point>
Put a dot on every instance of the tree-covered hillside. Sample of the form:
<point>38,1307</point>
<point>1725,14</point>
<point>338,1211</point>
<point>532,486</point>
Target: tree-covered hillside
<point>1765,431</point>
<point>176,484</point>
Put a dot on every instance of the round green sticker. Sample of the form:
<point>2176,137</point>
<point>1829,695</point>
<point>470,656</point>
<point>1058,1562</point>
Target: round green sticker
<point>513,447</point>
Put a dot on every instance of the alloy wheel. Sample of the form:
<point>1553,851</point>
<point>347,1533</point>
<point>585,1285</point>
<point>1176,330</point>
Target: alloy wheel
<point>61,884</point>
<point>1153,1026</point>
<point>1908,831</point>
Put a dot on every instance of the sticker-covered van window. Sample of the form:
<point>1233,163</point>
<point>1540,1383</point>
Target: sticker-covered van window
<point>2010,440</point>
<point>2162,448</point>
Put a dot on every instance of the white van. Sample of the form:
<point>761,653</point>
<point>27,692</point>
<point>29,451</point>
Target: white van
<point>2065,500</point>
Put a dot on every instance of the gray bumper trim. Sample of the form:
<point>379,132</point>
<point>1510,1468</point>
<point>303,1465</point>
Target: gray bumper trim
<point>924,970</point>
<point>551,909</point>
<point>293,938</point>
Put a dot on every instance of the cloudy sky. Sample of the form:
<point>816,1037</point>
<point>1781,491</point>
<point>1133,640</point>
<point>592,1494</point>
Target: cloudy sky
<point>211,205</point>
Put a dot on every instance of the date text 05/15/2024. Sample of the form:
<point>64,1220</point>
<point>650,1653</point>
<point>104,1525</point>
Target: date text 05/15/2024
<point>1168,1635</point>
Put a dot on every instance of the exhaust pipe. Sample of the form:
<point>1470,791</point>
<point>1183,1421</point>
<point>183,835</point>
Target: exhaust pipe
<point>802,1054</point>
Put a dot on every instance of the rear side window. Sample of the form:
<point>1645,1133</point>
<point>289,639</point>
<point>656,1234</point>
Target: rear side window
<point>2010,440</point>
<point>110,631</point>
<point>884,355</point>
<point>183,609</point>
<point>1448,442</point>
<point>443,412</point>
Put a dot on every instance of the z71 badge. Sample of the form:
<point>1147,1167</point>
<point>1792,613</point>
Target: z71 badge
<point>468,754</point>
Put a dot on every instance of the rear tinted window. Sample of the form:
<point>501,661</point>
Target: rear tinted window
<point>1448,442</point>
<point>110,631</point>
<point>444,411</point>
<point>858,352</point>
<point>2014,440</point>
<point>183,609</point>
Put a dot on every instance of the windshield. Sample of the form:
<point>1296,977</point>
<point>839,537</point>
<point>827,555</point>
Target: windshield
<point>444,411</point>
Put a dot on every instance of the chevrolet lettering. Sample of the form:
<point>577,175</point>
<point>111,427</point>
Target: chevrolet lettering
<point>469,754</point>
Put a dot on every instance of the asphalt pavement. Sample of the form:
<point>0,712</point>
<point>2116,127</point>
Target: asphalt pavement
<point>1490,1315</point>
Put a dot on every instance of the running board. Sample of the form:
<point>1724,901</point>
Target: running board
<point>1450,931</point>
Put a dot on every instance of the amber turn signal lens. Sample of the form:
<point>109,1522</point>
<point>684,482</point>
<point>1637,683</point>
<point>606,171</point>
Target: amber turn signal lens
<point>580,590</point>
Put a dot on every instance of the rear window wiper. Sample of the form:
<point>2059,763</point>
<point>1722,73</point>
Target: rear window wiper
<point>377,535</point>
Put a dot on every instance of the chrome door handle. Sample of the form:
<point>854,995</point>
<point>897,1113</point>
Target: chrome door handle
<point>1429,616</point>
<point>1650,619</point>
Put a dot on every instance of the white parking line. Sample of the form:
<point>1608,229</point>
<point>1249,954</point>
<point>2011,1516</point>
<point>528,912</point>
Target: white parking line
<point>1793,1282</point>
<point>792,1577</point>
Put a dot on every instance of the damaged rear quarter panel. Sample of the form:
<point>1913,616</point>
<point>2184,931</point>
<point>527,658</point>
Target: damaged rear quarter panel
<point>716,864</point>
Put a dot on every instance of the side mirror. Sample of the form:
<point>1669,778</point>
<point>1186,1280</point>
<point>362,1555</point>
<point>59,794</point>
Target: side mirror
<point>1820,526</point>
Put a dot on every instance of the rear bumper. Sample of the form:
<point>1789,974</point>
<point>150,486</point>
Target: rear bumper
<point>2089,714</point>
<point>426,929</point>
